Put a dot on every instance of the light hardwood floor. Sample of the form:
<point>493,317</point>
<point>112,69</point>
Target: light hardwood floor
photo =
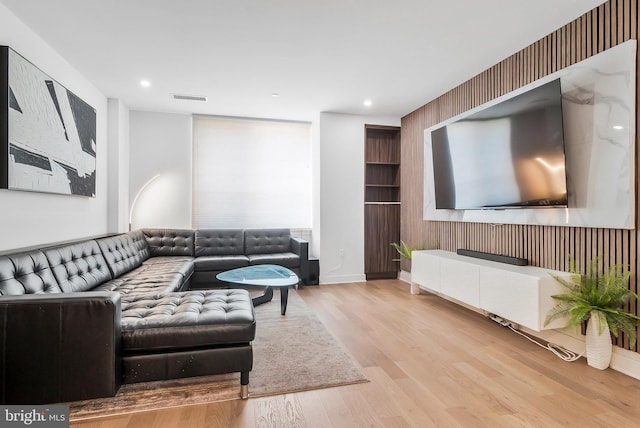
<point>430,363</point>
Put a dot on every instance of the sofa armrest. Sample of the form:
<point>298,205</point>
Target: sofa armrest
<point>301,248</point>
<point>59,347</point>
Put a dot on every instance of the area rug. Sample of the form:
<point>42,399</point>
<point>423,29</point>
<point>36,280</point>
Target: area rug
<point>291,353</point>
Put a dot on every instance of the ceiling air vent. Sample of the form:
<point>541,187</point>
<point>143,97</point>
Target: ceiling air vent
<point>189,97</point>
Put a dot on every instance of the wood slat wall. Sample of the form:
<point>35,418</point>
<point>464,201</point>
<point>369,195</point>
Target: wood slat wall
<point>606,26</point>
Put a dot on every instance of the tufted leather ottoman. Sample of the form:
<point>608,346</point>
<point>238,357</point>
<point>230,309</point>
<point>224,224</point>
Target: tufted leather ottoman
<point>189,333</point>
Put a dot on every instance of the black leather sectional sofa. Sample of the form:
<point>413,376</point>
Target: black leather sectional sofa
<point>217,250</point>
<point>78,320</point>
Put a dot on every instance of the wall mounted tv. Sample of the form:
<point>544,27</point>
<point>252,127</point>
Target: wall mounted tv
<point>509,155</point>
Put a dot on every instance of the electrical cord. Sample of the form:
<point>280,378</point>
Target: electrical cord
<point>559,351</point>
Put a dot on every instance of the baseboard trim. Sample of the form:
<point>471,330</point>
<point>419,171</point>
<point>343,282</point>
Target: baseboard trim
<point>339,279</point>
<point>622,360</point>
<point>405,276</point>
<point>625,361</point>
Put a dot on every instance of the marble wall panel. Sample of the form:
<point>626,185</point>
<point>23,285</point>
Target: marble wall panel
<point>598,100</point>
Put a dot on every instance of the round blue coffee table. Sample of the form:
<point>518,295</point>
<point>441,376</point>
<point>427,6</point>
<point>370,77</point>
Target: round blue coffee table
<point>269,276</point>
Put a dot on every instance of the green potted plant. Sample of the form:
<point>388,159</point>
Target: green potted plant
<point>405,251</point>
<point>598,299</point>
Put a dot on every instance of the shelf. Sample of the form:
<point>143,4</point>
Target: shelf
<point>383,203</point>
<point>382,194</point>
<point>382,200</point>
<point>383,163</point>
<point>382,175</point>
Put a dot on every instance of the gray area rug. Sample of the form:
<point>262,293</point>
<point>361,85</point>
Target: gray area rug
<point>291,353</point>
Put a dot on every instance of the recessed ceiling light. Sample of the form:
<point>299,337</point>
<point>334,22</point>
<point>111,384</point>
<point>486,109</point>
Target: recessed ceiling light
<point>145,83</point>
<point>275,94</point>
<point>618,127</point>
<point>367,103</point>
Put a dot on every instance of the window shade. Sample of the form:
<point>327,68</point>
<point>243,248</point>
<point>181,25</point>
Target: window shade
<point>251,173</point>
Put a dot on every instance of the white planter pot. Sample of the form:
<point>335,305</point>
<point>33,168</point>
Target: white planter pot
<point>598,345</point>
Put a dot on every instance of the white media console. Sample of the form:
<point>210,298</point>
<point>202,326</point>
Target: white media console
<point>521,294</point>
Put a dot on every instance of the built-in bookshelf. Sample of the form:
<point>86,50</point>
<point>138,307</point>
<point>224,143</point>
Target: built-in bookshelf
<point>382,200</point>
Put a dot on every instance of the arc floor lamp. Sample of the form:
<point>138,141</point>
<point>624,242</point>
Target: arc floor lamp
<point>133,204</point>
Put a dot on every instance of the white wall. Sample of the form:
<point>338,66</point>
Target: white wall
<point>118,200</point>
<point>160,143</point>
<point>342,195</point>
<point>316,233</point>
<point>28,219</point>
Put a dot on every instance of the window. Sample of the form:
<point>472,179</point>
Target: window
<point>251,173</point>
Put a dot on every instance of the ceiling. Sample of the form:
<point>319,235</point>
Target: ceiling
<point>319,56</point>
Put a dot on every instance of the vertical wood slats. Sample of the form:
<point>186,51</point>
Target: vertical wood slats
<point>606,26</point>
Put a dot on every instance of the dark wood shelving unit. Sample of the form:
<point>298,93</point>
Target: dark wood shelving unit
<point>382,200</point>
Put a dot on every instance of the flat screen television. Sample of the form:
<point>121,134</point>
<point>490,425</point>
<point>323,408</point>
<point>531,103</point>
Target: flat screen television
<point>509,155</point>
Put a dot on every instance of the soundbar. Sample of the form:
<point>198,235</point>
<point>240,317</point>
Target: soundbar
<point>493,257</point>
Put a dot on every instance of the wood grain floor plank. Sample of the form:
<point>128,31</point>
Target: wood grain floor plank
<point>401,405</point>
<point>429,401</point>
<point>278,411</point>
<point>516,399</point>
<point>315,414</point>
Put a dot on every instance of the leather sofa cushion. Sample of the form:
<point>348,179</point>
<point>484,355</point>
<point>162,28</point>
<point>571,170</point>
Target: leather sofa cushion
<point>216,263</point>
<point>26,273</point>
<point>78,267</point>
<point>183,265</point>
<point>170,242</point>
<point>124,253</point>
<point>186,320</point>
<point>141,284</point>
<point>168,259</point>
<point>267,241</point>
<point>155,275</point>
<point>288,260</point>
<point>219,242</point>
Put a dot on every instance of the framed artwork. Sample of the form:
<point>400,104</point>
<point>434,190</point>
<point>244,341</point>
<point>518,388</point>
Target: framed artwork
<point>47,133</point>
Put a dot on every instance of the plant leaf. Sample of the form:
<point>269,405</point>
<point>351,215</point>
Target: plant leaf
<point>602,294</point>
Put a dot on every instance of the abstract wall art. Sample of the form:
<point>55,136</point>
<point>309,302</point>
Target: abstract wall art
<point>47,133</point>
